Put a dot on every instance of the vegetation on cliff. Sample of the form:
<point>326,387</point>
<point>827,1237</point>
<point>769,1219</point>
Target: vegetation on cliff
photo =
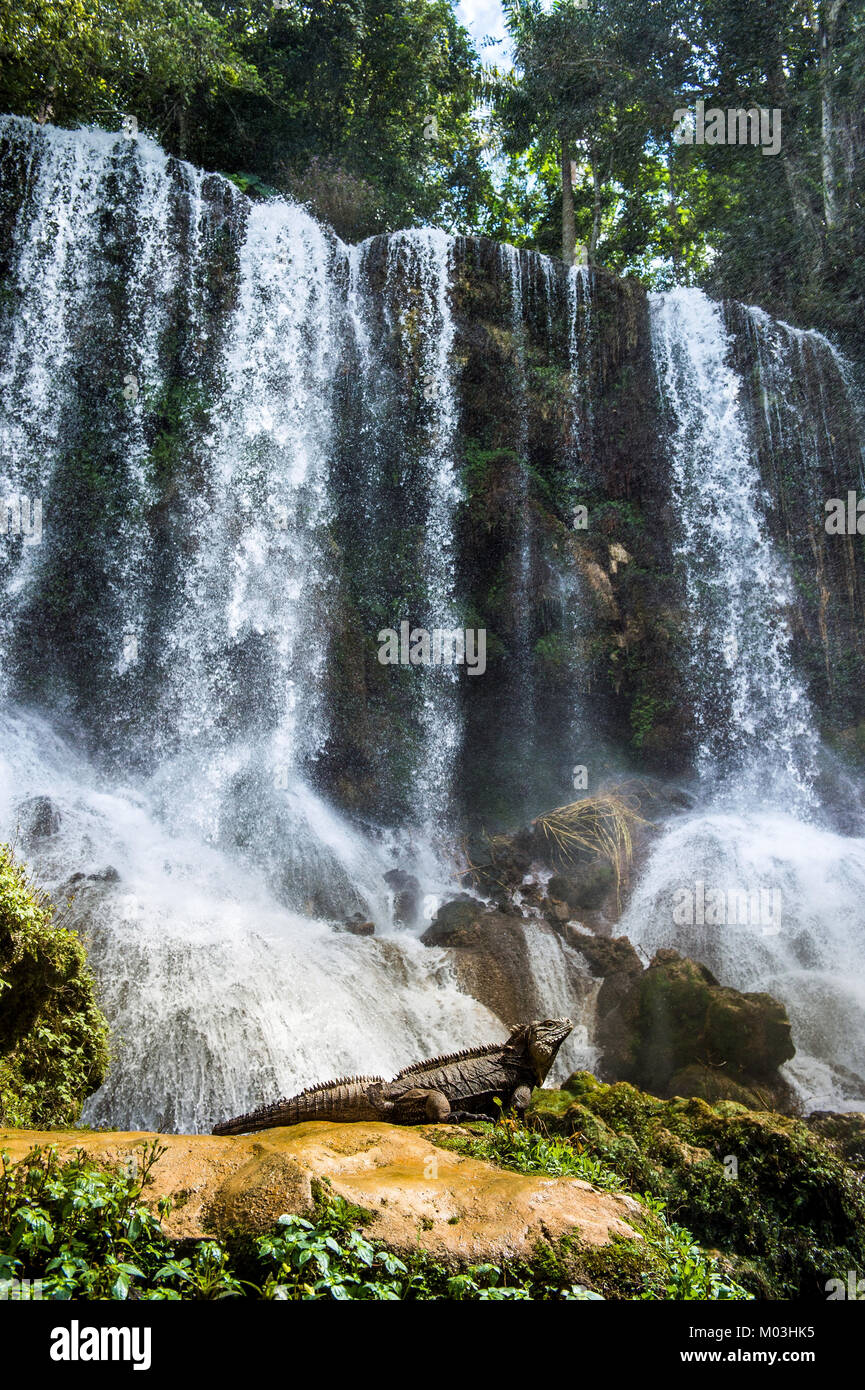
<point>53,1037</point>
<point>372,111</point>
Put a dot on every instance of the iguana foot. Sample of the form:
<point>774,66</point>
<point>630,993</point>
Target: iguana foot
<point>520,1098</point>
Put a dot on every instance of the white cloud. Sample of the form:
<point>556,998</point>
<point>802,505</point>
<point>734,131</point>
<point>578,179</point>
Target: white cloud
<point>485,19</point>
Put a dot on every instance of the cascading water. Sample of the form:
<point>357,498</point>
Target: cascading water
<point>422,259</point>
<point>513,274</point>
<point>580,329</point>
<point>249,442</point>
<point>750,884</point>
<point>751,713</point>
<point>219,992</point>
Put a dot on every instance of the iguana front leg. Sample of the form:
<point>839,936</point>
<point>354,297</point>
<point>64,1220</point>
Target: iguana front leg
<point>520,1099</point>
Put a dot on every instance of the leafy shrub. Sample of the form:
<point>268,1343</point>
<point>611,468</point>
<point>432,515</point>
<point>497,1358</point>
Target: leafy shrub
<point>85,1231</point>
<point>53,1037</point>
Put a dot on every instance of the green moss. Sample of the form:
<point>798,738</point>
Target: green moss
<point>764,1188</point>
<point>53,1037</point>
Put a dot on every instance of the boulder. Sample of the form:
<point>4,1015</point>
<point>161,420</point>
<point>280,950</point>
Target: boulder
<point>358,925</point>
<point>716,1084</point>
<point>38,817</point>
<point>460,1210</point>
<point>844,1132</point>
<point>406,901</point>
<point>107,875</point>
<point>586,887</point>
<point>490,957</point>
<point>456,923</point>
<point>676,1016</point>
<point>606,955</point>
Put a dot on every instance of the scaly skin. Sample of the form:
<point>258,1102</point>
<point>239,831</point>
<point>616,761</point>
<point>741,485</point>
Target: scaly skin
<point>463,1085</point>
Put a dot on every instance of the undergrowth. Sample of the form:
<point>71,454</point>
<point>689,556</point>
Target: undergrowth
<point>85,1231</point>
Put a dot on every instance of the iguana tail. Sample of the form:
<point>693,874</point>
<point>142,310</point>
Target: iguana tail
<point>343,1100</point>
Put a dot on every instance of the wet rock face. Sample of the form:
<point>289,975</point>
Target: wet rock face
<point>459,1209</point>
<point>407,895</point>
<point>490,956</point>
<point>38,818</point>
<point>675,1017</point>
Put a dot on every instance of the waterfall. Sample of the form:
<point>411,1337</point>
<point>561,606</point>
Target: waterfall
<point>807,949</point>
<point>246,652</point>
<point>63,301</point>
<point>751,711</point>
<point>423,261</point>
<point>560,981</point>
<point>253,448</point>
<point>201,369</point>
<point>512,273</point>
<point>580,329</point>
<point>749,883</point>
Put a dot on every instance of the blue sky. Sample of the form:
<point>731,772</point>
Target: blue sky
<point>483,18</point>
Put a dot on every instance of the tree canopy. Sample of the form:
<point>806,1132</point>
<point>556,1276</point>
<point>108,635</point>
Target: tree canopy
<point>378,114</point>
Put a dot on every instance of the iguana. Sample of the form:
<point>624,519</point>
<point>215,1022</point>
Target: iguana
<point>463,1085</point>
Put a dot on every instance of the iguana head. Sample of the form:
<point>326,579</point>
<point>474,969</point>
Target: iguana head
<point>539,1042</point>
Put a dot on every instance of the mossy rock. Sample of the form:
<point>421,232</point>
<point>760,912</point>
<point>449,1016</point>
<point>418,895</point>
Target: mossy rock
<point>586,888</point>
<point>684,1017</point>
<point>53,1036</point>
<point>844,1132</point>
<point>717,1086</point>
<point>763,1187</point>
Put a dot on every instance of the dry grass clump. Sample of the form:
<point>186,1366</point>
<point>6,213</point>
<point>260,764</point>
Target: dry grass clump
<point>597,825</point>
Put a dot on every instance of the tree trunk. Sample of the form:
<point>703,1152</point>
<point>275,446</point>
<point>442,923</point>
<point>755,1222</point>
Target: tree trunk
<point>826,31</point>
<point>673,217</point>
<point>569,231</point>
<point>596,210</point>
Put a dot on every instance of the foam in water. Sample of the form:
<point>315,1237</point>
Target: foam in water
<point>812,957</point>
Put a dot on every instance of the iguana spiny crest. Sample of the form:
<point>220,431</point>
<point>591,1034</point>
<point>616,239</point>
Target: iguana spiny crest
<point>459,1085</point>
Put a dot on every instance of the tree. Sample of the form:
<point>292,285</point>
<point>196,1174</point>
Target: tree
<point>365,108</point>
<point>162,61</point>
<point>594,83</point>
